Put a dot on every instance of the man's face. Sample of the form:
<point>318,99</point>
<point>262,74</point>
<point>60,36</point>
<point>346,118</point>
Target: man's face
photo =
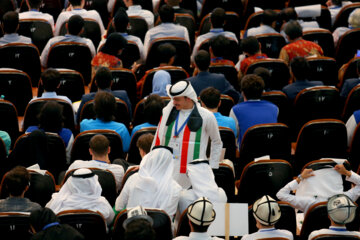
<point>180,102</point>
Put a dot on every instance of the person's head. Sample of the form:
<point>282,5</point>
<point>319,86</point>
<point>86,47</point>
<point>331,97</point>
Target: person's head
<point>50,79</point>
<point>210,98</point>
<point>182,94</point>
<point>138,2</point>
<point>99,146</point>
<point>144,143</point>
<point>10,22</point>
<point>293,30</point>
<point>217,18</point>
<point>160,81</point>
<point>266,211</point>
<point>202,60</point>
<point>219,45</point>
<point>173,3</point>
<point>265,74</point>
<point>34,4</point>
<point>42,217</point>
<point>269,17</point>
<point>121,20</point>
<point>153,106</point>
<point>252,86</point>
<point>103,78</point>
<point>288,14</point>
<point>114,44</point>
<point>167,14</point>
<point>17,181</point>
<point>201,214</point>
<point>76,3</point>
<point>341,209</point>
<point>51,117</point>
<point>354,18</point>
<point>250,45</point>
<point>300,68</point>
<point>139,229</point>
<point>166,53</point>
<point>334,2</point>
<point>75,25</point>
<point>104,106</point>
<point>83,182</point>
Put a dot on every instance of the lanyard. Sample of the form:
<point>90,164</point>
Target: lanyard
<point>338,229</point>
<point>177,131</point>
<point>50,225</point>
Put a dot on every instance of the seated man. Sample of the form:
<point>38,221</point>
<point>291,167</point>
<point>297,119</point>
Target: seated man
<point>210,99</point>
<point>17,182</point>
<point>10,24</point>
<point>75,26</point>
<point>335,7</point>
<point>99,151</point>
<point>341,210</point>
<point>351,125</point>
<point>254,110</point>
<point>267,25</point>
<point>135,9</point>
<point>350,83</point>
<point>354,22</point>
<point>267,213</point>
<point>34,12</point>
<point>201,214</point>
<point>138,225</point>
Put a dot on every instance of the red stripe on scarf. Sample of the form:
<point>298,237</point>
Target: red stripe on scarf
<point>184,150</point>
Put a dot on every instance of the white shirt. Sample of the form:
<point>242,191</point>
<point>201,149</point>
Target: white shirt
<point>334,11</point>
<point>262,29</point>
<point>269,233</point>
<point>115,169</point>
<point>334,231</point>
<point>67,38</point>
<point>350,128</point>
<point>164,30</point>
<point>14,38</point>
<point>136,10</point>
<point>198,236</point>
<point>91,14</point>
<point>34,14</point>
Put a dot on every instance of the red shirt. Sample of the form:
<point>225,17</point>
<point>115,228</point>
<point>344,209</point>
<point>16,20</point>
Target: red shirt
<point>249,60</point>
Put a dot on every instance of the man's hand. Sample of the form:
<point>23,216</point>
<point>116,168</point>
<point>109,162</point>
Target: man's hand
<point>340,168</point>
<point>308,172</point>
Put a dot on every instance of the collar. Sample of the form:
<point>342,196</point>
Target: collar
<point>196,235</point>
<point>11,34</point>
<point>124,34</point>
<point>338,229</point>
<point>217,30</point>
<point>217,114</point>
<point>135,8</point>
<point>49,94</point>
<point>33,10</point>
<point>267,229</point>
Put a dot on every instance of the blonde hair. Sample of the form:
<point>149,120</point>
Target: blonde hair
<point>354,18</point>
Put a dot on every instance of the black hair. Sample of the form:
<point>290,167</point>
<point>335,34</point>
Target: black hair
<point>219,45</point>
<point>50,79</point>
<point>114,43</point>
<point>75,24</point>
<point>300,68</point>
<point>202,60</point>
<point>293,30</point>
<point>250,45</point>
<point>103,78</point>
<point>210,97</point>
<point>153,106</point>
<point>252,86</point>
<point>121,20</point>
<point>217,18</point>
<point>139,229</point>
<point>268,17</point>
<point>104,106</point>
<point>167,14</point>
<point>16,180</point>
<point>51,117</point>
<point>10,22</point>
<point>166,51</point>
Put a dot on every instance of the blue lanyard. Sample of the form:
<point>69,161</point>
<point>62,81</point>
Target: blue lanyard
<point>216,30</point>
<point>214,60</point>
<point>100,161</point>
<point>338,229</point>
<point>50,225</point>
<point>177,132</point>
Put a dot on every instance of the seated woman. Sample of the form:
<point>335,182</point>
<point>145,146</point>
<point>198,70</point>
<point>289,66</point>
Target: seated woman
<point>160,80</point>
<point>153,186</point>
<point>51,120</point>
<point>82,191</point>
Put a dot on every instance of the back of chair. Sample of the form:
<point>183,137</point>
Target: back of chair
<point>352,103</point>
<point>315,218</point>
<point>71,55</point>
<point>230,52</point>
<point>343,16</point>
<point>124,79</point>
<point>15,225</point>
<point>229,142</point>
<point>347,46</point>
<point>323,38</point>
<point>280,99</point>
<point>225,179</point>
<point>161,225</point>
<point>348,70</point>
<point>323,69</point>
<point>335,237</point>
<point>90,224</point>
<point>133,154</point>
<point>188,21</point>
<point>183,227</point>
<point>80,149</point>
<point>22,56</point>
<point>229,72</point>
<point>354,150</point>
<point>263,177</point>
<point>271,44</point>
<point>253,20</point>
<point>227,102</point>
<point>39,30</point>
<point>138,27</point>
<point>138,117</point>
<point>92,31</point>
<point>9,120</point>
<point>130,54</point>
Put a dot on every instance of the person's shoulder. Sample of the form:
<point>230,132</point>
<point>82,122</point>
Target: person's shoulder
<point>88,97</point>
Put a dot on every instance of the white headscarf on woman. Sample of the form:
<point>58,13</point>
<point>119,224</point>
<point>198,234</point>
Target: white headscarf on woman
<point>81,191</point>
<point>153,186</point>
<point>203,185</point>
<point>160,80</point>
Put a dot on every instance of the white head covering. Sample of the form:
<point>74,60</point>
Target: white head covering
<point>203,181</point>
<point>201,212</point>
<point>155,186</point>
<point>354,18</point>
<point>182,88</point>
<point>341,209</point>
<point>266,210</point>
<point>160,81</point>
<point>81,191</point>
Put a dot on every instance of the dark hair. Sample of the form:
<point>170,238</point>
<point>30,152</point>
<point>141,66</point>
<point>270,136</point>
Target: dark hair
<point>337,2</point>
<point>250,45</point>
<point>121,20</point>
<point>138,2</point>
<point>293,30</point>
<point>288,14</point>
<point>217,17</point>
<point>219,45</point>
<point>202,60</point>
<point>51,117</point>
<point>153,106</point>
<point>210,97</point>
<point>75,2</point>
<point>139,229</point>
<point>167,14</point>
<point>114,43</point>
<point>198,228</point>
<point>252,86</point>
<point>16,180</point>
<point>269,16</point>
<point>10,22</point>
<point>42,217</point>
<point>104,106</point>
<point>144,142</point>
<point>300,68</point>
<point>75,24</point>
<point>166,51</point>
<point>99,144</point>
<point>50,79</point>
<point>103,78</point>
<point>265,74</point>
<point>35,3</point>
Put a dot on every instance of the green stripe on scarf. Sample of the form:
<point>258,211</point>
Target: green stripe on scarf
<point>197,144</point>
<point>168,133</point>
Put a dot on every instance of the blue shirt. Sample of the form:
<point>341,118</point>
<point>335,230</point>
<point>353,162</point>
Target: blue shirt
<point>140,126</point>
<point>91,124</point>
<point>224,121</point>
